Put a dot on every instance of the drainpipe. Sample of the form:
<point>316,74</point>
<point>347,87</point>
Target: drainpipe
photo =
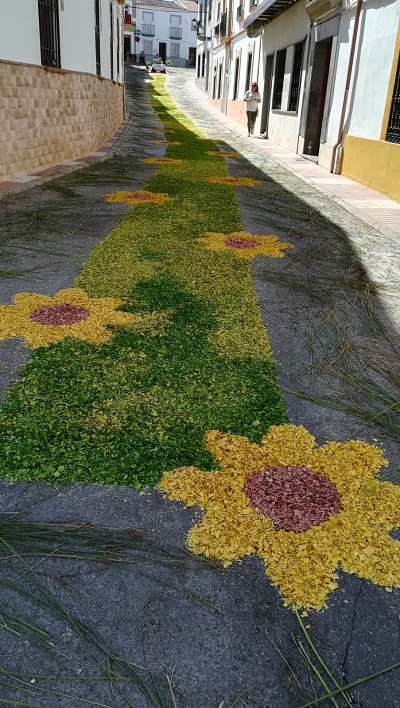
<point>335,153</point>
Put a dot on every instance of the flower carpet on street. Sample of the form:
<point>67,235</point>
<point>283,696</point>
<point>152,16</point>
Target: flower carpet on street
<point>304,510</point>
<point>245,245</point>
<point>42,320</point>
<point>191,352</point>
<point>221,153</point>
<point>183,387</point>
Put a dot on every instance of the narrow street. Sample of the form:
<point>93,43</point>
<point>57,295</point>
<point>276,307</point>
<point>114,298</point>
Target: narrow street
<point>182,324</point>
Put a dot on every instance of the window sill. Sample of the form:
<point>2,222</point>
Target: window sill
<point>284,113</point>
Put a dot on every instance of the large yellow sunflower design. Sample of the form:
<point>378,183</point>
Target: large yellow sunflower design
<point>42,320</point>
<point>304,510</point>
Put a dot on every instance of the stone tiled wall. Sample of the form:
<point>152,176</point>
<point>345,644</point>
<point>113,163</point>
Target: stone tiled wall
<point>50,115</point>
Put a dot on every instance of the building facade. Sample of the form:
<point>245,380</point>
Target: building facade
<point>62,81</point>
<point>329,75</point>
<point>166,29</point>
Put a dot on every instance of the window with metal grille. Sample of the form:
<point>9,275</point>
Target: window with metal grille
<point>118,49</point>
<point>248,70</point>
<point>49,33</point>
<point>279,78</point>
<point>174,50</point>
<point>148,46</point>
<point>236,80</point>
<point>97,34</point>
<point>239,11</point>
<point>296,77</point>
<point>112,40</point>
<point>252,4</point>
<point>393,130</point>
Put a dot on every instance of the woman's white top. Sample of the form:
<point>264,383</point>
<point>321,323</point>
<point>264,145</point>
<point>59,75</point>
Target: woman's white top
<point>252,104</point>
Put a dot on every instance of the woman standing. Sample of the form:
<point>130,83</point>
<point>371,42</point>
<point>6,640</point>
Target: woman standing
<point>252,98</point>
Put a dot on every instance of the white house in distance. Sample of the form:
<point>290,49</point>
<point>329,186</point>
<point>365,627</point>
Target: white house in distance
<point>328,72</point>
<point>166,28</point>
<point>62,90</point>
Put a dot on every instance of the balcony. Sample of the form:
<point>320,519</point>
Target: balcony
<point>223,24</point>
<point>128,18</point>
<point>148,30</point>
<point>318,9</point>
<point>252,4</point>
<point>175,32</point>
<point>239,12</point>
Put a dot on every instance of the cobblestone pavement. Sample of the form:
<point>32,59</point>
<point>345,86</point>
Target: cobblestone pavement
<point>222,634</point>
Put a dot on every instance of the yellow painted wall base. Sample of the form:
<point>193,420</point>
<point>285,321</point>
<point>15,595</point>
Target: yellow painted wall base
<point>375,163</point>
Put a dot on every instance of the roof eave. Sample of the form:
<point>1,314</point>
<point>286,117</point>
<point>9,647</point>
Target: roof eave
<point>267,11</point>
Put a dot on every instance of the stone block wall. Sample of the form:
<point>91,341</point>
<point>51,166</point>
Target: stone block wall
<point>51,115</point>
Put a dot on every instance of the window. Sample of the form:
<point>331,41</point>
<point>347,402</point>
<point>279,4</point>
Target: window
<point>112,40</point>
<point>198,65</point>
<point>148,17</point>
<point>174,50</point>
<point>219,81</point>
<point>49,33</point>
<point>175,29</point>
<point>97,34</point>
<point>118,49</point>
<point>393,131</point>
<point>296,77</point>
<point>214,81</point>
<point>148,46</point>
<point>175,20</point>
<point>248,71</point>
<point>236,80</point>
<point>203,64</point>
<point>279,77</point>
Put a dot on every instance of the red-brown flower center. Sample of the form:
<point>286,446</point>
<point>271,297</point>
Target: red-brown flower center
<point>241,242</point>
<point>140,197</point>
<point>295,498</point>
<point>60,314</point>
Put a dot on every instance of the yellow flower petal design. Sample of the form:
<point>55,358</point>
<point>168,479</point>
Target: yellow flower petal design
<point>16,320</point>
<point>220,153</point>
<point>302,564</point>
<point>245,245</point>
<point>234,181</point>
<point>141,196</point>
<point>161,161</point>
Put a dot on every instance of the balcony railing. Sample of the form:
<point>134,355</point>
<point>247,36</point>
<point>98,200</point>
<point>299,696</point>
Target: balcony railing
<point>222,25</point>
<point>239,12</point>
<point>175,32</point>
<point>252,4</point>
<point>148,30</point>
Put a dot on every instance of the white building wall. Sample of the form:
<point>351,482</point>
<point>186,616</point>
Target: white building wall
<point>19,31</point>
<point>77,21</point>
<point>285,31</point>
<point>20,37</point>
<point>371,70</point>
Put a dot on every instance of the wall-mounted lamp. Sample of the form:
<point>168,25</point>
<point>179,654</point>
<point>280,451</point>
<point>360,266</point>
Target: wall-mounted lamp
<point>197,25</point>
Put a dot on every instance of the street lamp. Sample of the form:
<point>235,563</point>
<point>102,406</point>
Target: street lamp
<point>198,26</point>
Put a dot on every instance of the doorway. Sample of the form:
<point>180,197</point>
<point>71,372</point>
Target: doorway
<point>127,47</point>
<point>317,95</point>
<point>162,50</point>
<point>269,63</point>
<point>192,56</point>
